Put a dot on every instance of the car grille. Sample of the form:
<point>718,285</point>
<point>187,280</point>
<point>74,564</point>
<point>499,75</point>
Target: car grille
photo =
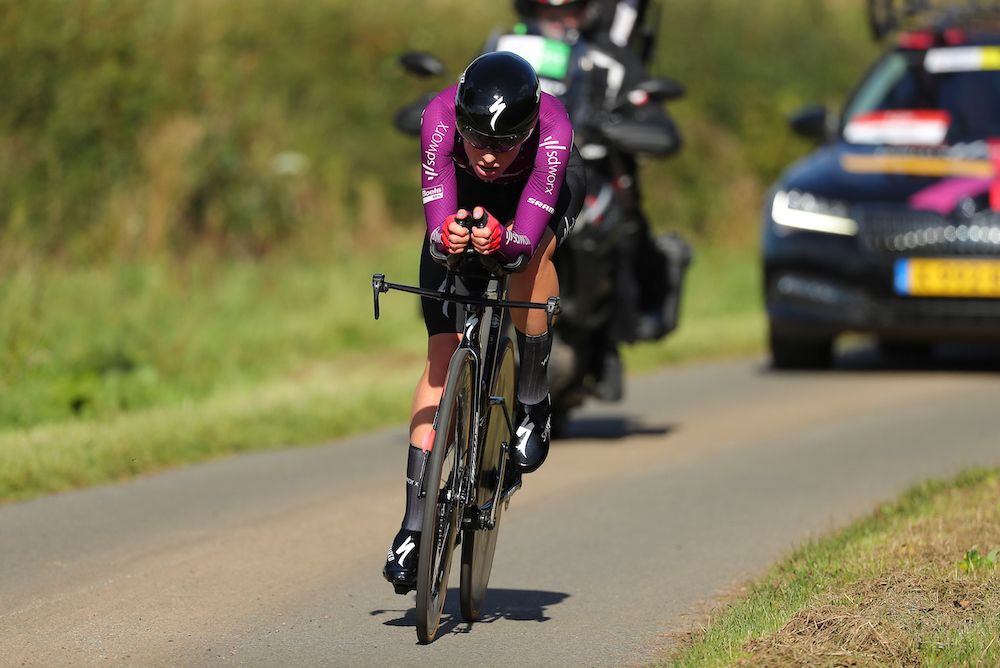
<point>915,233</point>
<point>942,310</point>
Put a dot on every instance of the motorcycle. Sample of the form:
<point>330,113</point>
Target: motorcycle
<point>598,288</point>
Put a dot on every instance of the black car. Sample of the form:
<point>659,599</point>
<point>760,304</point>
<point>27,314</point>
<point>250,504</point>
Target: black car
<point>892,227</point>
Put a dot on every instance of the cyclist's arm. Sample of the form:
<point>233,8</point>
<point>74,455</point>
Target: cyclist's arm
<point>541,193</point>
<point>437,145</point>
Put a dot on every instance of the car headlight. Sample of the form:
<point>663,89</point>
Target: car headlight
<point>805,211</point>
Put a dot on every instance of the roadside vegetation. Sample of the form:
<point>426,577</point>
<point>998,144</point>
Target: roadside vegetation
<point>916,583</point>
<point>132,129</point>
<point>196,194</point>
<point>132,369</point>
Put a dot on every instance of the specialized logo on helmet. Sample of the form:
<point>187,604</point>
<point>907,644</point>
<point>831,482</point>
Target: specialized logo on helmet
<point>496,109</point>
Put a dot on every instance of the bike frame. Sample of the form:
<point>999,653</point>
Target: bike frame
<point>483,311</point>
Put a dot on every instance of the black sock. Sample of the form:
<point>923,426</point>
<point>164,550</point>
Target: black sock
<point>413,516</point>
<point>533,381</point>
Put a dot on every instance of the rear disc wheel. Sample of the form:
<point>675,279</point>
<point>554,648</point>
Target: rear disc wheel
<point>478,545</point>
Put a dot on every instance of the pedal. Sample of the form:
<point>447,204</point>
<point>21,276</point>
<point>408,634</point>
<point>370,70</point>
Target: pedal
<point>403,589</point>
<point>509,492</point>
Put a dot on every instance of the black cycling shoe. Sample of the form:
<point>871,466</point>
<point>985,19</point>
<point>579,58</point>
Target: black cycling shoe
<point>401,562</point>
<point>652,325</point>
<point>532,434</point>
<point>610,386</point>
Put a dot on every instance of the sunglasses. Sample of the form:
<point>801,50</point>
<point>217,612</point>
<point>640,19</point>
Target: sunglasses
<point>495,144</point>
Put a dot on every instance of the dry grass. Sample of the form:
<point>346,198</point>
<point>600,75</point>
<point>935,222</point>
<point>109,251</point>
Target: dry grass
<point>917,604</point>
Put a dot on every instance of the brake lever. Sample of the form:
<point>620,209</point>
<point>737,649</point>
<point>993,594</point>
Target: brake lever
<point>552,309</point>
<point>378,286</point>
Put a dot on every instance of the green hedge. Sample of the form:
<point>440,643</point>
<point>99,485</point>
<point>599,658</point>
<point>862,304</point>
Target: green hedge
<point>152,126</point>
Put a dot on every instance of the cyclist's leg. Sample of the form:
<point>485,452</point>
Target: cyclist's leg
<point>538,282</point>
<point>444,321</point>
<point>442,325</point>
<point>533,416</point>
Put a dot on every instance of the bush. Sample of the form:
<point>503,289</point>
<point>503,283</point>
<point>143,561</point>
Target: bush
<point>132,127</point>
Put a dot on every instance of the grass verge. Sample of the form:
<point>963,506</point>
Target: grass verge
<point>916,583</point>
<point>108,373</point>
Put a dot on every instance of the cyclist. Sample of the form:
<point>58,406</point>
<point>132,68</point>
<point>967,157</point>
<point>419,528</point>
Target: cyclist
<point>493,147</point>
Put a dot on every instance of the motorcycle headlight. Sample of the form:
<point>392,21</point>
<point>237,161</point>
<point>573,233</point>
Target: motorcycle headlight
<point>805,211</point>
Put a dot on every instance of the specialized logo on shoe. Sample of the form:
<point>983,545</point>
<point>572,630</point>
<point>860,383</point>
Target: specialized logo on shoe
<point>404,550</point>
<point>523,434</point>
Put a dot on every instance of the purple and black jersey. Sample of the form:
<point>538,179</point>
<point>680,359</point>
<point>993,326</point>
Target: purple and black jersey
<point>541,163</point>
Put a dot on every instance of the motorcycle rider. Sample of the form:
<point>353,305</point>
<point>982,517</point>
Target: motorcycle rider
<point>621,22</point>
<point>493,147</point>
<point>616,22</point>
<point>609,36</point>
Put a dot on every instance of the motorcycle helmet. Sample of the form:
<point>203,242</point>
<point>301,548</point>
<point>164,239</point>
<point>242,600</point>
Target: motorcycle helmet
<point>497,102</point>
<point>531,8</point>
<point>561,19</point>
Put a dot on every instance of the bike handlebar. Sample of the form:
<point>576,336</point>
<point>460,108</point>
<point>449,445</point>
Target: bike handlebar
<point>380,285</point>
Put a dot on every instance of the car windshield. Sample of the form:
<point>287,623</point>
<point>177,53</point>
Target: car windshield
<point>900,82</point>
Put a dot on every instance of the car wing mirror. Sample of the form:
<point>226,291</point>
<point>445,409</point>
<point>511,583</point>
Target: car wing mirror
<point>422,64</point>
<point>812,122</point>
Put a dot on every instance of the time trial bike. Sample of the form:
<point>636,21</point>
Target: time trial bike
<point>468,478</point>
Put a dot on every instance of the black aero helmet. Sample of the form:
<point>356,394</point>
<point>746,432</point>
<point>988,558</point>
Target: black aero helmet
<point>497,102</point>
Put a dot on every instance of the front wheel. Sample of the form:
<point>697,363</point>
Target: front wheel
<point>446,467</point>
<point>478,545</point>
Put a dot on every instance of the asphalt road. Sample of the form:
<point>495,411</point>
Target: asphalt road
<point>701,479</point>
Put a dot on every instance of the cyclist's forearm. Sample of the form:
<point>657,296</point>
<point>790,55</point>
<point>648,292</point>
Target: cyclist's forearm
<point>437,145</point>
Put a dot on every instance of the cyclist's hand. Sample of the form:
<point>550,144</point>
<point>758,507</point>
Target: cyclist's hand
<point>454,236</point>
<point>486,239</point>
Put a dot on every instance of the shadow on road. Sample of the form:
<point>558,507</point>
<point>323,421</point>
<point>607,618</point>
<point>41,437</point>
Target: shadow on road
<point>945,357</point>
<point>968,357</point>
<point>612,427</point>
<point>516,605</point>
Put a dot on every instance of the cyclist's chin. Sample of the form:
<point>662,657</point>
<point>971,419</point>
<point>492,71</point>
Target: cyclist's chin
<point>488,174</point>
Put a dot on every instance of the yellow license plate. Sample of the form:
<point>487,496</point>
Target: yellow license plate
<point>920,277</point>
